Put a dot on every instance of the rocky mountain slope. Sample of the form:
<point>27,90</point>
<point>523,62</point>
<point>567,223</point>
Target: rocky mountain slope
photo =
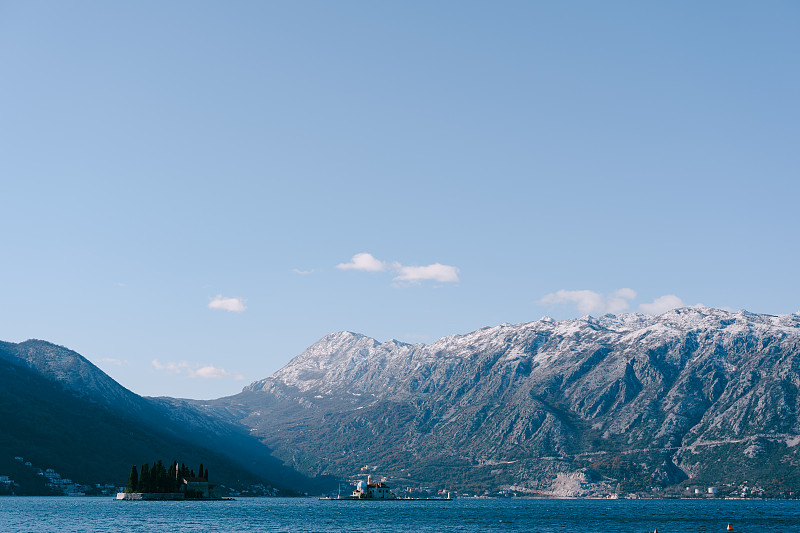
<point>60,411</point>
<point>644,401</point>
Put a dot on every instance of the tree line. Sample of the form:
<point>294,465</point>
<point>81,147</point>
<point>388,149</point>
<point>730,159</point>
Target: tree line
<point>157,478</point>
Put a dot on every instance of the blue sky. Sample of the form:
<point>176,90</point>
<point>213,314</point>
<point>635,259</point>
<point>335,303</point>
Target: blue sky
<point>186,187</point>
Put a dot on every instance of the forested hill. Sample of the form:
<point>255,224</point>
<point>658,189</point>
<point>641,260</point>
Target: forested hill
<point>59,411</point>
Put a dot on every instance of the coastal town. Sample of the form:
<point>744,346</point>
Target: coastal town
<point>186,484</point>
<point>31,479</point>
<point>574,485</point>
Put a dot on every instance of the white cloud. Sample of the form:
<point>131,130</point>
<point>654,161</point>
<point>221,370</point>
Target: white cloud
<point>436,272</point>
<point>405,275</point>
<point>592,302</point>
<point>113,361</point>
<point>662,304</point>
<point>620,300</point>
<point>586,301</point>
<point>210,371</point>
<point>233,305</point>
<point>364,262</point>
<point>171,367</point>
<point>194,370</point>
<point>302,272</point>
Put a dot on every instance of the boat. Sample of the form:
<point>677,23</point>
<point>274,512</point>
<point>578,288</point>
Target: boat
<point>379,491</point>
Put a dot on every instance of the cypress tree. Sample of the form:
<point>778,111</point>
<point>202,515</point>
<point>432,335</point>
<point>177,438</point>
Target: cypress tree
<point>160,477</point>
<point>144,479</point>
<point>172,477</point>
<point>133,481</point>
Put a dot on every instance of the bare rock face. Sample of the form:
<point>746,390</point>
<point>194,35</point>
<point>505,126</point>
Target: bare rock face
<point>643,399</point>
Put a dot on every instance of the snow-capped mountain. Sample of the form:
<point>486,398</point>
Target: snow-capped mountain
<point>694,392</point>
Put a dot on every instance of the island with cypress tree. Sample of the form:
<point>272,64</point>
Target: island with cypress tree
<point>176,482</point>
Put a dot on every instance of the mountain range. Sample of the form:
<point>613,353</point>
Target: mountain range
<point>629,402</point>
<point>694,394</point>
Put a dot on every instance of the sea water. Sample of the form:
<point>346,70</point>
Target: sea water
<point>63,514</point>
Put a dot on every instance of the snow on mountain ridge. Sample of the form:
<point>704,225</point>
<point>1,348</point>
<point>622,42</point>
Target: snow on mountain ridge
<point>344,356</point>
<point>553,395</point>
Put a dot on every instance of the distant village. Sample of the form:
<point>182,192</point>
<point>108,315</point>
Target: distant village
<point>179,482</point>
<point>52,482</point>
<point>28,479</point>
<point>726,491</point>
<point>579,485</point>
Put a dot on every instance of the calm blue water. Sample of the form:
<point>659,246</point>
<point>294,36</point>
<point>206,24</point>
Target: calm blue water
<point>295,515</point>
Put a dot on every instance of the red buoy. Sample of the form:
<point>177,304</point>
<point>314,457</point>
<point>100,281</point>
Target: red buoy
<point>730,527</point>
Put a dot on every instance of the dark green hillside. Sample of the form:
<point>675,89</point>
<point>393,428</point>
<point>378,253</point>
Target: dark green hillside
<point>55,415</point>
<point>83,441</point>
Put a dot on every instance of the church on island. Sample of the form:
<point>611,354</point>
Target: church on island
<point>372,491</point>
<point>174,483</point>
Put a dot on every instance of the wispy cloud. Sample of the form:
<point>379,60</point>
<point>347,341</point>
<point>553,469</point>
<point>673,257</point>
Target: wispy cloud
<point>302,272</point>
<point>364,262</point>
<point>662,304</point>
<point>436,272</point>
<point>194,370</point>
<point>172,367</point>
<point>619,300</point>
<point>233,305</point>
<point>405,274</point>
<point>113,361</point>
<point>211,372</point>
<point>592,302</point>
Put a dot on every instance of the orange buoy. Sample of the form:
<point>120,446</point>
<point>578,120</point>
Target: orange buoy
<point>730,527</point>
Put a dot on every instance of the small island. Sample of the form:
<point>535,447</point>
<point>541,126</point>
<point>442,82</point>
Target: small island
<point>177,482</point>
<point>377,491</point>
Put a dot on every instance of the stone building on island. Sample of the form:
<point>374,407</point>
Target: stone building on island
<point>176,483</point>
<point>196,487</point>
